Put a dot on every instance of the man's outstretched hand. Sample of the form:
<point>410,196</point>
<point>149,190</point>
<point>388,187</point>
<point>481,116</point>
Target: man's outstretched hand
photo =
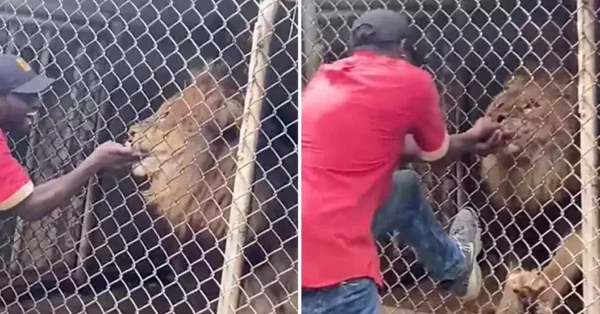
<point>483,129</point>
<point>49,195</point>
<point>489,136</point>
<point>495,144</point>
<point>112,155</point>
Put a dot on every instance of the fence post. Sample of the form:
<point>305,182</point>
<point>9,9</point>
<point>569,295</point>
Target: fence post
<point>586,25</point>
<point>255,93</point>
<point>310,36</point>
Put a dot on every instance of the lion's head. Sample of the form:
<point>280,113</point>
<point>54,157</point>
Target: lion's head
<point>539,108</point>
<point>206,110</point>
<point>191,143</point>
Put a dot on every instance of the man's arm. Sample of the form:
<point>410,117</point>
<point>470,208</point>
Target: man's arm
<point>50,195</point>
<point>484,138</point>
<point>428,139</point>
<point>458,144</point>
<point>31,203</point>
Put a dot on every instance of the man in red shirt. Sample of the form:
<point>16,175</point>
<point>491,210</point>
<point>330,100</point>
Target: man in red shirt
<point>360,116</point>
<point>19,90</point>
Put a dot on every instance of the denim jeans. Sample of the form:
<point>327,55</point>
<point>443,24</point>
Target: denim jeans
<point>406,211</point>
<point>351,297</point>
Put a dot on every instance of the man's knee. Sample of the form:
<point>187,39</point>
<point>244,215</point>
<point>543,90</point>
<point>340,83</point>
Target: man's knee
<point>406,180</point>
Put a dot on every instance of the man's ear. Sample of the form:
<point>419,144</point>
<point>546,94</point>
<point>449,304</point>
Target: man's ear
<point>403,43</point>
<point>4,99</point>
<point>409,52</point>
<point>404,53</point>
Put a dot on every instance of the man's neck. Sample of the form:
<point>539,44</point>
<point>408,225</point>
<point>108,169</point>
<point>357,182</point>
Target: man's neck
<point>376,50</point>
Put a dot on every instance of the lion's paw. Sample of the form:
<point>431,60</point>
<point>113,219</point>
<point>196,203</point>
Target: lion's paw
<point>522,293</point>
<point>528,285</point>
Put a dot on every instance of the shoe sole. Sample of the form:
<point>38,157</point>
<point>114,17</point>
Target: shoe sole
<point>474,285</point>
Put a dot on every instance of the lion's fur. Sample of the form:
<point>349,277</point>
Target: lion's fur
<point>273,278</point>
<point>547,286</point>
<point>540,108</point>
<point>192,141</point>
<point>522,292</point>
<point>192,167</point>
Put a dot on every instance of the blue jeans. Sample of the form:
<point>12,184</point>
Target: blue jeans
<point>405,211</point>
<point>351,297</point>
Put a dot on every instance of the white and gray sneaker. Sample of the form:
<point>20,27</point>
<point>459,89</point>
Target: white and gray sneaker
<point>466,232</point>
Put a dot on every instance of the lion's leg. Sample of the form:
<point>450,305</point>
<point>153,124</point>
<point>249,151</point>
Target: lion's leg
<point>563,269</point>
<point>521,293</point>
<point>522,288</point>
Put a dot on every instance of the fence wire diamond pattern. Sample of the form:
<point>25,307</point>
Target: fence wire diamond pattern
<point>171,79</point>
<point>516,61</point>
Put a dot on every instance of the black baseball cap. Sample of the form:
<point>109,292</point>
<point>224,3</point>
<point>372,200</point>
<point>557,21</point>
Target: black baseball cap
<point>387,26</point>
<point>17,76</point>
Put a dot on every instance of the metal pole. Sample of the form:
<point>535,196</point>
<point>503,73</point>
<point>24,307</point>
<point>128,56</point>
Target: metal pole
<point>259,61</point>
<point>586,24</point>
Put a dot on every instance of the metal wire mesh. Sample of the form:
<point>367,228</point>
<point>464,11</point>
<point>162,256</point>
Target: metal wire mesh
<point>517,62</point>
<point>168,78</point>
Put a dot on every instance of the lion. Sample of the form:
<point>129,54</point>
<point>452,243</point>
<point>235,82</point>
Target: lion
<point>536,172</point>
<point>190,165</point>
<point>539,166</point>
<point>190,168</point>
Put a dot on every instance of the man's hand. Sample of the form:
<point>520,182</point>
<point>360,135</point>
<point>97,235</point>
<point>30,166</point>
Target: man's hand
<point>484,138</point>
<point>112,155</point>
<point>491,139</point>
<point>483,129</point>
<point>493,145</point>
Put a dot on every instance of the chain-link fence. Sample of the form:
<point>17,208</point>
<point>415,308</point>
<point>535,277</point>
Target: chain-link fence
<point>173,79</point>
<point>516,61</point>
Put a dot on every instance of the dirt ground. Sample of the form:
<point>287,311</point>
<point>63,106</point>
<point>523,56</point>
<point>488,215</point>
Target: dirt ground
<point>425,299</point>
<point>150,299</point>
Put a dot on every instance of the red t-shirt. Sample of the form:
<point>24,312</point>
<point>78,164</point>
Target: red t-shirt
<point>15,185</point>
<point>356,113</point>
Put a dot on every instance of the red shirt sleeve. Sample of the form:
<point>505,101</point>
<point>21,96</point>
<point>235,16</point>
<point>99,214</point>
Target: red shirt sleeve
<point>15,184</point>
<point>429,129</point>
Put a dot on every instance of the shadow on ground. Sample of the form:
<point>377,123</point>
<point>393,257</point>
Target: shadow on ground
<point>141,299</point>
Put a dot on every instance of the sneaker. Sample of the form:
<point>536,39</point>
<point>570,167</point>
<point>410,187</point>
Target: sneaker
<point>466,232</point>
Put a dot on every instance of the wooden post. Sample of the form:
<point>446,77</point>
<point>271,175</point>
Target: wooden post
<point>246,151</point>
<point>586,24</point>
